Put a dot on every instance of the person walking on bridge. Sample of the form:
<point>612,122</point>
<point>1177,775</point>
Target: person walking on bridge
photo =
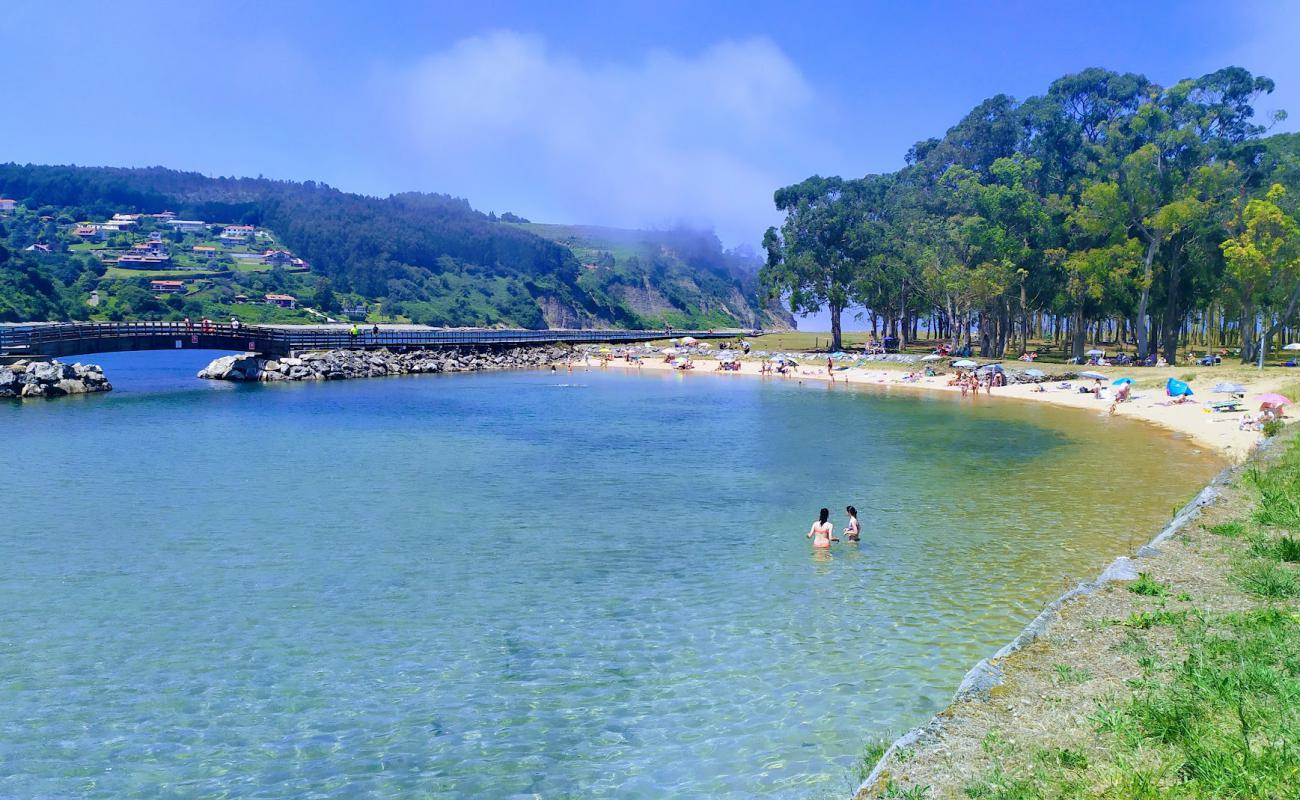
<point>234,323</point>
<point>355,331</point>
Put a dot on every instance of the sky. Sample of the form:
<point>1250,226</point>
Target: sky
<point>628,114</point>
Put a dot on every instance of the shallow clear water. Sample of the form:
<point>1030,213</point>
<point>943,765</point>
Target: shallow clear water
<point>516,585</point>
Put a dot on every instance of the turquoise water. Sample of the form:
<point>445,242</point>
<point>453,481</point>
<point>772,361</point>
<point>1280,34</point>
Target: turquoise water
<point>522,584</point>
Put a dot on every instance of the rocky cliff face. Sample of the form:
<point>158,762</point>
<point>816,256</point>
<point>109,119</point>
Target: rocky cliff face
<point>51,379</point>
<point>326,365</point>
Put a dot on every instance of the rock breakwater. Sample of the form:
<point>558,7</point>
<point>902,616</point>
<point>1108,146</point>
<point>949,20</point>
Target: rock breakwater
<point>51,379</point>
<point>324,365</point>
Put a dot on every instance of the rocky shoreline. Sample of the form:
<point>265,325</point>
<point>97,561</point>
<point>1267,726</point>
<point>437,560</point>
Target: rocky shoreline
<point>326,365</point>
<point>51,379</point>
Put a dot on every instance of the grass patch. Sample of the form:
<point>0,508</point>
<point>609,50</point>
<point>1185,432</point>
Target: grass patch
<point>872,752</point>
<point>1148,587</point>
<point>1230,530</point>
<point>1268,580</point>
<point>1143,620</point>
<point>1071,675</point>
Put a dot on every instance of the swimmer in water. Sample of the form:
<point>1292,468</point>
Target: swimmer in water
<point>822,531</point>
<point>853,532</point>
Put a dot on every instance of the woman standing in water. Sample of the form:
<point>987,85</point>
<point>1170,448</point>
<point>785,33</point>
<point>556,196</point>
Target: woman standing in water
<point>853,532</point>
<point>821,530</point>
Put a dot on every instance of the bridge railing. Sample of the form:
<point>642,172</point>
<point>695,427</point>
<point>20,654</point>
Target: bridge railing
<point>285,339</point>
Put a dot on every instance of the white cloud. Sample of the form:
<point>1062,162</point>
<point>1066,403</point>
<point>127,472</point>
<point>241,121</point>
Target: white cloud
<point>656,140</point>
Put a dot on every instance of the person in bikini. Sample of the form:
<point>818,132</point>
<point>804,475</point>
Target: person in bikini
<point>822,532</point>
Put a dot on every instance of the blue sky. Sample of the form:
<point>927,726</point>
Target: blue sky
<point>647,114</point>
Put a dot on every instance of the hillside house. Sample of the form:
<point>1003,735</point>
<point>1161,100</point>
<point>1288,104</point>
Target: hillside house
<point>164,215</point>
<point>205,251</point>
<point>240,299</point>
<point>188,225</point>
<point>166,287</point>
<point>277,258</point>
<point>7,205</point>
<point>37,248</point>
<point>236,233</point>
<point>138,260</point>
<point>282,300</point>
<point>88,233</point>
<point>147,255</point>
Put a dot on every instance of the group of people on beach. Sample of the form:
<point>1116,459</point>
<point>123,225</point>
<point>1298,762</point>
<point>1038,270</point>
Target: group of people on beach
<point>822,531</point>
<point>970,382</point>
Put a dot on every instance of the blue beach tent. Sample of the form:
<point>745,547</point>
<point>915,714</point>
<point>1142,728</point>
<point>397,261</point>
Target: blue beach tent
<point>1176,388</point>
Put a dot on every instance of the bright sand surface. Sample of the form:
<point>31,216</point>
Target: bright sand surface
<point>1219,431</point>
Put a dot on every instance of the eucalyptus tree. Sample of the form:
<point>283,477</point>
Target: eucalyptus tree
<point>813,261</point>
<point>1264,265</point>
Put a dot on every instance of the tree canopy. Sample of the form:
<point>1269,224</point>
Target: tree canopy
<point>1106,203</point>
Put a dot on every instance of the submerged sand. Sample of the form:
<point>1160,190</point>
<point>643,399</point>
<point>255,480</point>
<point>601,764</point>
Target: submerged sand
<point>1220,432</point>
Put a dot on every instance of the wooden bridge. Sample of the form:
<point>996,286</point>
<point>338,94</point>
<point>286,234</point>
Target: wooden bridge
<point>57,340</point>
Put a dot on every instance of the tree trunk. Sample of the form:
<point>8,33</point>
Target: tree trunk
<point>1140,326</point>
<point>835,328</point>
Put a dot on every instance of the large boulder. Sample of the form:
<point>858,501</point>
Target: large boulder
<point>47,371</point>
<point>219,369</point>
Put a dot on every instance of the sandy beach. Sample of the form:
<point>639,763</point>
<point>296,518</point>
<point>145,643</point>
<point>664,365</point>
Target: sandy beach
<point>1218,431</point>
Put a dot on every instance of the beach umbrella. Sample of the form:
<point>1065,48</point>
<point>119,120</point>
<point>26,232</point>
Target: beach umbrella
<point>1095,376</point>
<point>1274,400</point>
<point>991,368</point>
<point>689,340</point>
<point>777,359</point>
<point>965,362</point>
<point>1035,373</point>
<point>1292,346</point>
<point>1121,381</point>
<point>1177,388</point>
<point>670,351</point>
<point>1095,352</point>
<point>932,357</point>
<point>1229,388</point>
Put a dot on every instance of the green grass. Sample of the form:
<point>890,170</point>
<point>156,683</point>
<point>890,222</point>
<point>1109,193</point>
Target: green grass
<point>1148,587</point>
<point>1071,675</point>
<point>1230,530</point>
<point>118,273</point>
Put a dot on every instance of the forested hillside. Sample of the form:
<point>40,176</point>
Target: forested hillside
<point>422,257</point>
<point>1151,216</point>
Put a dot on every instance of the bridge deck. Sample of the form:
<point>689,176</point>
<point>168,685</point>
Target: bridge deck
<point>81,338</point>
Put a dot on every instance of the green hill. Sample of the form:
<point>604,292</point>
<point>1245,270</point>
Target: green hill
<point>425,258</point>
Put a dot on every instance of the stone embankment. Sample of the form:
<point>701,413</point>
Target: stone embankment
<point>51,379</point>
<point>324,365</point>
